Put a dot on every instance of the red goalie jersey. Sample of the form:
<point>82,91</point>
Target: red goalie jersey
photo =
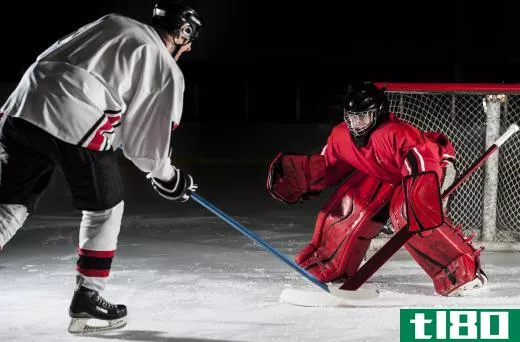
<point>368,156</point>
<point>396,149</point>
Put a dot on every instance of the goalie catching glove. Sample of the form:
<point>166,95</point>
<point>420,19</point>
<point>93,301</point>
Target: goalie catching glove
<point>179,188</point>
<point>293,178</point>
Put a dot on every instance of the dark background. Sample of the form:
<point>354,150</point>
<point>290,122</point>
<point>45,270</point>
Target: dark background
<point>270,76</point>
<point>290,62</point>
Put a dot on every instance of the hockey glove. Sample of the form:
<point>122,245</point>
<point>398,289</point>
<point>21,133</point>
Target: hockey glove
<point>179,188</point>
<point>294,178</point>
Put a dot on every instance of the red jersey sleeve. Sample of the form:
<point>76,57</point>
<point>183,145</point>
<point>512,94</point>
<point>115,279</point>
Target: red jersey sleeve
<point>336,168</point>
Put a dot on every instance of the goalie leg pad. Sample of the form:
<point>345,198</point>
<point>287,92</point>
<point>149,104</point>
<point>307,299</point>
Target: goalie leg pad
<point>444,253</point>
<point>344,228</point>
<point>447,256</point>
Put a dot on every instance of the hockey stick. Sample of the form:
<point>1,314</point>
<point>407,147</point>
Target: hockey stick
<point>368,293</point>
<point>403,235</point>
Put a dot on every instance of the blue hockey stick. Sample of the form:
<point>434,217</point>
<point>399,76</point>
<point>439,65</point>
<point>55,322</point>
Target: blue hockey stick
<point>357,294</point>
<point>258,240</point>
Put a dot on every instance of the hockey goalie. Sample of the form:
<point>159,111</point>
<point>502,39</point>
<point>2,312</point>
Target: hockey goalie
<point>382,168</point>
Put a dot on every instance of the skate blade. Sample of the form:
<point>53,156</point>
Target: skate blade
<point>81,326</point>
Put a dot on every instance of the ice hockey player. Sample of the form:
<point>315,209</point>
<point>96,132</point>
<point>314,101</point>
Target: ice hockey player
<point>113,83</point>
<point>367,157</point>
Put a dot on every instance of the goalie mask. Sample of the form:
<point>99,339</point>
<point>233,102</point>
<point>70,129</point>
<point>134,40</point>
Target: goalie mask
<point>365,107</point>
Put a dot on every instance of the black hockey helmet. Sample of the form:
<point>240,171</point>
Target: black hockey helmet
<point>365,106</point>
<point>171,15</point>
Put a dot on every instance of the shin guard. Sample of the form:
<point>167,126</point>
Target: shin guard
<point>97,244</point>
<point>345,227</point>
<point>444,253</point>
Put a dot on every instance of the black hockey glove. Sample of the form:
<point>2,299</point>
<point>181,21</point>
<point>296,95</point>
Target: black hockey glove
<point>179,188</point>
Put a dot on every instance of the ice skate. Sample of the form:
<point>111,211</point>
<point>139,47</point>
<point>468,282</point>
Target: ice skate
<point>87,305</point>
<point>476,286</point>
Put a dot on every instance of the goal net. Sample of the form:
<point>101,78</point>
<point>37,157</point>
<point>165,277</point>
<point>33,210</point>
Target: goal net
<point>473,116</point>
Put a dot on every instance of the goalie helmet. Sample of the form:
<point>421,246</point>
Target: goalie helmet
<point>171,15</point>
<point>365,106</point>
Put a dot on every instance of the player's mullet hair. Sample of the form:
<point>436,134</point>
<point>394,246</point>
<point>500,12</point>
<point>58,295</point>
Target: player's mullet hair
<point>164,32</point>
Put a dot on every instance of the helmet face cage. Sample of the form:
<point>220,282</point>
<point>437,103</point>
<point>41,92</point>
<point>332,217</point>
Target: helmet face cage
<point>360,123</point>
<point>191,31</point>
<point>187,21</point>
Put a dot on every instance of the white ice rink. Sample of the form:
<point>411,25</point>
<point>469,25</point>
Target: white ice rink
<point>197,279</point>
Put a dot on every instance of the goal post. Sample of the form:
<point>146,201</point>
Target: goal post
<point>473,116</point>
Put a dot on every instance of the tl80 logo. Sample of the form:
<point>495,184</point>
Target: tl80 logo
<point>463,324</point>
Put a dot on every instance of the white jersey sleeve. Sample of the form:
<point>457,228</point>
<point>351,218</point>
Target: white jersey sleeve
<point>147,123</point>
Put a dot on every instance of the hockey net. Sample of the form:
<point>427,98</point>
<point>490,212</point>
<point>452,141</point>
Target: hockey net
<point>473,116</point>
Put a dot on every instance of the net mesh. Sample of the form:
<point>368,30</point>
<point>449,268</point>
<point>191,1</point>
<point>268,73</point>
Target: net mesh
<point>462,117</point>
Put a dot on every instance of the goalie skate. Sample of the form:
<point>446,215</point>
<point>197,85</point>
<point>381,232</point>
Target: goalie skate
<point>474,287</point>
<point>91,313</point>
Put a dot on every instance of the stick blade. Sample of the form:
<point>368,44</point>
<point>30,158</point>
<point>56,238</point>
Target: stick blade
<point>336,297</point>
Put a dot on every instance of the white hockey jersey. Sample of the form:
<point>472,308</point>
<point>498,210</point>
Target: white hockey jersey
<point>111,84</point>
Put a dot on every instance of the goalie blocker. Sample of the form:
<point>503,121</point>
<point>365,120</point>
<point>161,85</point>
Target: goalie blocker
<point>357,210</point>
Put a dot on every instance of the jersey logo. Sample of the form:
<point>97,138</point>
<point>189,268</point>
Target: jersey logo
<point>98,138</point>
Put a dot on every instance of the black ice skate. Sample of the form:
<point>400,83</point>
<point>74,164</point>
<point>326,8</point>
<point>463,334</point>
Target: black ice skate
<point>87,304</point>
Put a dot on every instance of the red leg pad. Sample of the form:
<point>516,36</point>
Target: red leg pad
<point>344,228</point>
<point>444,253</point>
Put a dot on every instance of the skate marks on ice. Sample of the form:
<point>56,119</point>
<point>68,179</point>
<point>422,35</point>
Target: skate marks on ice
<point>148,335</point>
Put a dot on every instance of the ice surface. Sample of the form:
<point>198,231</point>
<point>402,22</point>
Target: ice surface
<point>197,279</point>
<point>188,276</point>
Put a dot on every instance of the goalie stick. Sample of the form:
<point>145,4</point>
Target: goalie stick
<point>403,235</point>
<point>365,293</point>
